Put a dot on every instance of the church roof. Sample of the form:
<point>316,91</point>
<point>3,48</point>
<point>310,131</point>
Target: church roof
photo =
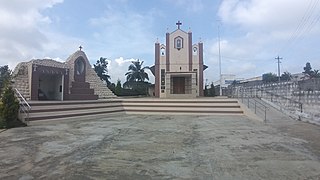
<point>48,62</point>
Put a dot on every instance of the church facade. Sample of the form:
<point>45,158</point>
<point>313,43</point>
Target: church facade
<point>179,67</point>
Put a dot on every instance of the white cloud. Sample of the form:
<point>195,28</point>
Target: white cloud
<point>120,33</point>
<point>189,5</point>
<point>263,30</point>
<point>21,34</point>
<point>124,33</point>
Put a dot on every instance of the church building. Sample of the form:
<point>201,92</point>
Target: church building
<point>179,67</point>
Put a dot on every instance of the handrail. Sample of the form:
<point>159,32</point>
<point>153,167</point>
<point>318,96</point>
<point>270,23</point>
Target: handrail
<point>256,103</point>
<point>23,103</point>
<point>262,107</point>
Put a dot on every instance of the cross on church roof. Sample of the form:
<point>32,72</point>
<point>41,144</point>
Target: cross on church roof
<point>178,24</point>
<point>80,47</point>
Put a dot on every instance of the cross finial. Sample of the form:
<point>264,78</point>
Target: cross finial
<point>35,67</point>
<point>80,47</point>
<point>178,24</point>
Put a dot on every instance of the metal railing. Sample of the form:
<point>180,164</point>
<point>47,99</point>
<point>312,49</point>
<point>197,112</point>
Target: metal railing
<point>250,100</point>
<point>24,106</point>
<point>259,108</point>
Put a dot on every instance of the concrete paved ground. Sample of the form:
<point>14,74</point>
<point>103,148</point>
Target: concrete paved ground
<point>155,147</point>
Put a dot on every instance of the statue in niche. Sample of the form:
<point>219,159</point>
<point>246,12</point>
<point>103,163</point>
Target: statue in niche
<point>79,67</point>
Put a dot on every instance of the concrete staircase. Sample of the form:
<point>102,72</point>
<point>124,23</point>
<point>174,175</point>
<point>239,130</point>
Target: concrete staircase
<point>99,87</point>
<point>200,106</point>
<point>44,110</point>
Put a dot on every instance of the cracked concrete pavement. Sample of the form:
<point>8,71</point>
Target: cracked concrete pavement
<point>155,147</point>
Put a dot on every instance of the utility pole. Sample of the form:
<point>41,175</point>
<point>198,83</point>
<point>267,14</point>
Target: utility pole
<point>220,60</point>
<point>278,58</point>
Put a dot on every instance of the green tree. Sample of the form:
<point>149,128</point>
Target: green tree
<point>212,91</point>
<point>269,77</point>
<point>286,76</point>
<point>206,92</point>
<point>308,69</point>
<point>312,73</point>
<point>136,72</point>
<point>315,74</point>
<point>5,76</point>
<point>9,108</point>
<point>118,88</point>
<point>101,68</point>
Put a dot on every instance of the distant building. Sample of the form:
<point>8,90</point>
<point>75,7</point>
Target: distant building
<point>257,78</point>
<point>227,79</point>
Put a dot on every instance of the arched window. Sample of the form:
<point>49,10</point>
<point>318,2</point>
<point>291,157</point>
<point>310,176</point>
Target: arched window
<point>178,43</point>
<point>195,50</point>
<point>162,51</point>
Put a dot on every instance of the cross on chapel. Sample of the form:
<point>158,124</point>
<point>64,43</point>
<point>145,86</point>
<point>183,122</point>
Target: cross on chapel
<point>178,24</point>
<point>80,47</point>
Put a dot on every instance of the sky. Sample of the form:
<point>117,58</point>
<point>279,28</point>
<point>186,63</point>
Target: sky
<point>252,32</point>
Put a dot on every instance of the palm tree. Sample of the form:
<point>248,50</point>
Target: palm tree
<point>136,73</point>
<point>102,70</point>
<point>286,76</point>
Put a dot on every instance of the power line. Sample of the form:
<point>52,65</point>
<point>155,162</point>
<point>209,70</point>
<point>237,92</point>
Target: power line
<point>305,25</point>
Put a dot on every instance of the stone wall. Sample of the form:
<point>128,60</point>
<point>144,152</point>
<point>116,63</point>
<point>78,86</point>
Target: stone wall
<point>299,99</point>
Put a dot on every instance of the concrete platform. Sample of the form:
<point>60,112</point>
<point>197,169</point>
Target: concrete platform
<point>155,147</point>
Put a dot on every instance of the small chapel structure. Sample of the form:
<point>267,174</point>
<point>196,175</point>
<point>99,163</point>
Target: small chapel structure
<point>47,79</point>
<point>179,67</point>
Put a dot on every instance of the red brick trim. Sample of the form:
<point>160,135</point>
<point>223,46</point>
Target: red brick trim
<point>190,50</point>
<point>167,52</point>
<point>157,70</point>
<point>201,69</point>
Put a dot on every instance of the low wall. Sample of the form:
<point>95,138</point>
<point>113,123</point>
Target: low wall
<point>299,99</point>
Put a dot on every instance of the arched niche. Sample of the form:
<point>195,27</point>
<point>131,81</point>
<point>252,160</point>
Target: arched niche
<point>79,69</point>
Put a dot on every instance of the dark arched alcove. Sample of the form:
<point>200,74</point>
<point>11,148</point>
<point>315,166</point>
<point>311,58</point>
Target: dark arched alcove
<point>79,69</point>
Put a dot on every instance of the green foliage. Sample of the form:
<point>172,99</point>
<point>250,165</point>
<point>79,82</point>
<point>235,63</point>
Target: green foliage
<point>316,74</point>
<point>136,87</point>
<point>312,73</point>
<point>5,76</point>
<point>118,88</point>
<point>101,69</point>
<point>136,72</point>
<point>286,76</point>
<point>209,92</point>
<point>9,108</point>
<point>307,69</point>
<point>269,77</point>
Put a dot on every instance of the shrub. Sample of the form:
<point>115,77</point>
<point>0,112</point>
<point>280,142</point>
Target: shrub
<point>9,109</point>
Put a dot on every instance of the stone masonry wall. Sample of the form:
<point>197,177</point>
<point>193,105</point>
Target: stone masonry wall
<point>299,99</point>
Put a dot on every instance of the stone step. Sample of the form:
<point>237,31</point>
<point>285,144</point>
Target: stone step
<point>73,113</point>
<point>192,110</point>
<point>83,96</point>
<point>42,110</point>
<point>182,105</point>
<point>68,107</point>
<point>81,91</point>
<point>80,85</point>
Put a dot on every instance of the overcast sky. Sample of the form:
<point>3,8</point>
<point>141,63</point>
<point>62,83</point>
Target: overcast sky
<point>253,32</point>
